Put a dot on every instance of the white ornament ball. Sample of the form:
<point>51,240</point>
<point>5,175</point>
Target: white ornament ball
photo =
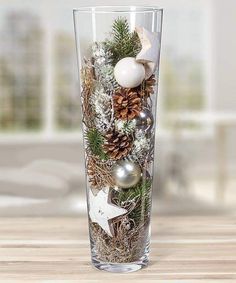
<point>126,174</point>
<point>129,73</point>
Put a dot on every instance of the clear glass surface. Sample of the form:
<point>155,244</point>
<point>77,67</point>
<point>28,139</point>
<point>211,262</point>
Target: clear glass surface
<point>119,226</point>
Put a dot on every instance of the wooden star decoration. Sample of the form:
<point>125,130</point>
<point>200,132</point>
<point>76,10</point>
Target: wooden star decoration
<point>149,54</point>
<point>101,210</point>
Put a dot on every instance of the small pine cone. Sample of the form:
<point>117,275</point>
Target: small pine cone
<point>127,103</point>
<point>117,145</point>
<point>148,88</point>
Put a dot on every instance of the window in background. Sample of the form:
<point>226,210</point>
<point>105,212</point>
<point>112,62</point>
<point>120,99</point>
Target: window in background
<point>21,73</point>
<point>38,94</point>
<point>185,60</point>
<point>67,103</point>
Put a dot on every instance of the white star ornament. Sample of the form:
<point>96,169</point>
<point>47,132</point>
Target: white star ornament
<point>101,210</point>
<point>149,54</point>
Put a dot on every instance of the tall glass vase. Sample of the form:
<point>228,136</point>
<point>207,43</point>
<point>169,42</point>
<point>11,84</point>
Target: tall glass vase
<point>118,52</point>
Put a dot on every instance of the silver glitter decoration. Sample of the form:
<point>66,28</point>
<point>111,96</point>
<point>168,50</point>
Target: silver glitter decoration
<point>143,148</point>
<point>101,54</point>
<point>140,146</point>
<point>102,104</point>
<point>104,70</point>
<point>125,127</point>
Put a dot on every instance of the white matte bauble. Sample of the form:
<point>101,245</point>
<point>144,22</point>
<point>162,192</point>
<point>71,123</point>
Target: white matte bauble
<point>129,73</point>
<point>126,174</point>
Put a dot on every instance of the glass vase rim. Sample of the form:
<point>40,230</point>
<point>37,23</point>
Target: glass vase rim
<point>117,9</point>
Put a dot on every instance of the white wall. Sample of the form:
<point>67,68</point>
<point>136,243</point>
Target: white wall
<point>224,47</point>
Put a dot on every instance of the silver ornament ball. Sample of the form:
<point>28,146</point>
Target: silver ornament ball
<point>145,120</point>
<point>126,174</point>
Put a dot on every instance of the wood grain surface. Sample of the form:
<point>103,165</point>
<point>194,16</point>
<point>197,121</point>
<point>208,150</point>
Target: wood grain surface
<point>183,249</point>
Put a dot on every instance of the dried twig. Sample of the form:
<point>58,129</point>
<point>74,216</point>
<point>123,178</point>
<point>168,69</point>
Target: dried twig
<point>99,172</point>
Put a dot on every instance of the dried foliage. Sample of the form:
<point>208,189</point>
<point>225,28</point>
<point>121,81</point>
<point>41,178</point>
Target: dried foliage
<point>87,79</point>
<point>130,230</point>
<point>99,172</point>
<point>127,246</point>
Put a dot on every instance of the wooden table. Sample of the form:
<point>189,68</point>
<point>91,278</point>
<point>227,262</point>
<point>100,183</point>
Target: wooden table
<point>191,249</point>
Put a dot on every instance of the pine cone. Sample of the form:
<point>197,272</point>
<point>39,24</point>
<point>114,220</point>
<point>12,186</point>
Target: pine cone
<point>127,104</point>
<point>117,145</point>
<point>148,88</point>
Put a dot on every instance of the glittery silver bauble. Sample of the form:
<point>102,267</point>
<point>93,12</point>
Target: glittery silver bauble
<point>145,120</point>
<point>126,174</point>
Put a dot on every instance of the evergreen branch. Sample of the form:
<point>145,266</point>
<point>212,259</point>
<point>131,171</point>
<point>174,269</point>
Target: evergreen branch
<point>95,141</point>
<point>141,196</point>
<point>123,43</point>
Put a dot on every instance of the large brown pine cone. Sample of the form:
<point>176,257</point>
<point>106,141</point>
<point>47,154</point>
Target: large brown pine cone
<point>148,87</point>
<point>117,145</point>
<point>127,103</point>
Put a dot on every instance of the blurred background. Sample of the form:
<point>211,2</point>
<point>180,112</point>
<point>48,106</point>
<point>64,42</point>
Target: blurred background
<point>41,153</point>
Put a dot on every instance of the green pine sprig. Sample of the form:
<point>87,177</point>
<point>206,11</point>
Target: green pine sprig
<point>95,141</point>
<point>141,195</point>
<point>123,43</point>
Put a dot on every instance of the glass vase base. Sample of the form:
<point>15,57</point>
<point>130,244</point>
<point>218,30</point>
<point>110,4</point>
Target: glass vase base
<point>120,267</point>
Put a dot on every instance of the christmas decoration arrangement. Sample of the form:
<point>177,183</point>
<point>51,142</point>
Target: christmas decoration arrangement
<point>118,88</point>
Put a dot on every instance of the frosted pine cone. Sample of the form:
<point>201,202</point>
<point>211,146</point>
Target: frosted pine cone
<point>102,105</point>
<point>104,71</point>
<point>105,75</point>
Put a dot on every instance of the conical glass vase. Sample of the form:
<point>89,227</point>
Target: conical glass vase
<point>118,52</point>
